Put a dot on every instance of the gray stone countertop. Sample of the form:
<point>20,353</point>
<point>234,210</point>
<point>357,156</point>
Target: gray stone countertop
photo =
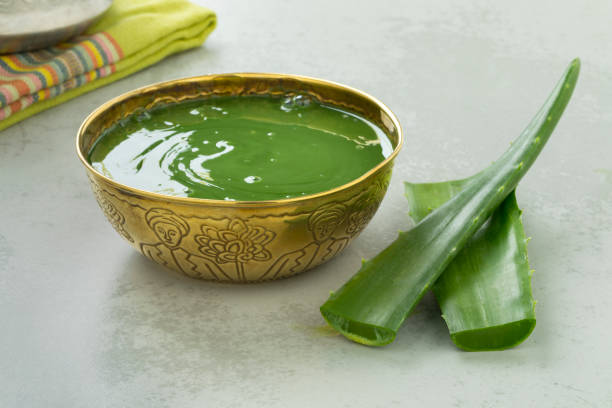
<point>87,321</point>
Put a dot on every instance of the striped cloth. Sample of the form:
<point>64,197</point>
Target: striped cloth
<point>130,36</point>
<point>29,77</point>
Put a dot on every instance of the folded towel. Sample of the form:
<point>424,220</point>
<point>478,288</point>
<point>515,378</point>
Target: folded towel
<point>131,35</point>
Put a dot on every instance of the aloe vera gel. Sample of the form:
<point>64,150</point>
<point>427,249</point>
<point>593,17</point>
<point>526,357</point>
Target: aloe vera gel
<point>240,148</point>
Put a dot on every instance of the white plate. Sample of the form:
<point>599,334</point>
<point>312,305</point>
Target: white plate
<point>32,24</point>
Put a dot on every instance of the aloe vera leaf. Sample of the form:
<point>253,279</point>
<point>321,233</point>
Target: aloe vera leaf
<point>485,292</point>
<point>372,305</point>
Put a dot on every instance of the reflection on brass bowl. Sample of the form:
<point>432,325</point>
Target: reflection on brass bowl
<point>240,241</point>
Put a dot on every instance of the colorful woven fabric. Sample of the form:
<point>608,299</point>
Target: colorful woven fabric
<point>30,77</point>
<point>130,36</point>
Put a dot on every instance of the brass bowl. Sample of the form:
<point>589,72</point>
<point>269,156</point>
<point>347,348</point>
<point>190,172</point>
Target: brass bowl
<point>240,241</point>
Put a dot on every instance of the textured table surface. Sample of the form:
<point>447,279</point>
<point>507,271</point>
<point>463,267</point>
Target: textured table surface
<point>87,321</point>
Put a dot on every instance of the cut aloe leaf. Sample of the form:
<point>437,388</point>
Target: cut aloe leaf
<point>485,292</point>
<point>372,305</point>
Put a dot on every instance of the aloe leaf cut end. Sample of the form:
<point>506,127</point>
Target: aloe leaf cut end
<point>494,338</point>
<point>358,332</point>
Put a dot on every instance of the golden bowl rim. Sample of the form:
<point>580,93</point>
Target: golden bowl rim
<point>237,203</point>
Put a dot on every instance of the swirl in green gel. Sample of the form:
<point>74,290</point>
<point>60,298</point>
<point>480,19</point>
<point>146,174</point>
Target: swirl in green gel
<point>244,148</point>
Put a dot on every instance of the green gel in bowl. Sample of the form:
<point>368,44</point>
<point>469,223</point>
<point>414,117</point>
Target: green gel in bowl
<point>246,148</point>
